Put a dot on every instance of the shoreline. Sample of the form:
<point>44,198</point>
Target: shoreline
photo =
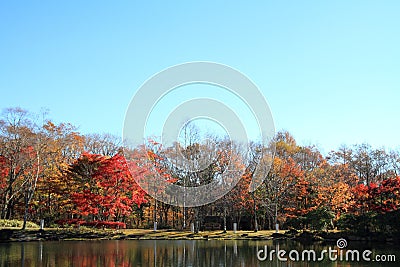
<point>18,235</point>
<point>83,234</point>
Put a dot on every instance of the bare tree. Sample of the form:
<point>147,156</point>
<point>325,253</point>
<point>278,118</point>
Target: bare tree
<point>20,156</point>
<point>103,144</point>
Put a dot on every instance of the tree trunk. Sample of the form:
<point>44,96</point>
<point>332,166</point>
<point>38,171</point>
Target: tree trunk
<point>26,212</point>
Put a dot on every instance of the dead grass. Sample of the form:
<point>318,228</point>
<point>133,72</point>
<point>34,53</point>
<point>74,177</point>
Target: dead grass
<point>90,233</point>
<point>171,234</point>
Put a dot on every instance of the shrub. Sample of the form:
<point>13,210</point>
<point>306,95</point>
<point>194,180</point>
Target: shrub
<point>389,222</point>
<point>362,223</point>
<point>320,219</point>
<point>16,223</point>
<point>97,224</point>
<point>296,222</point>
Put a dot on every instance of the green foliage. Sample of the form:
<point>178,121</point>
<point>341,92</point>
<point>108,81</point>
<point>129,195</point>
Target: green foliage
<point>346,221</point>
<point>16,223</point>
<point>320,219</point>
<point>389,222</point>
<point>362,223</point>
<point>296,222</point>
<point>370,222</point>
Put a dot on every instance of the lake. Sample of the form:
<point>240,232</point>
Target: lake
<point>191,253</point>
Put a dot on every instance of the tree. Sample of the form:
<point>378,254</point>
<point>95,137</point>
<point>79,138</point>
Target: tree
<point>389,195</point>
<point>105,187</point>
<point>102,144</point>
<point>63,146</point>
<point>370,164</point>
<point>19,159</point>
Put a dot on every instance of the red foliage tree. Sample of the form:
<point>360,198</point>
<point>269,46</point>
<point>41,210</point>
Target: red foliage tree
<point>384,197</point>
<point>387,195</point>
<point>105,188</point>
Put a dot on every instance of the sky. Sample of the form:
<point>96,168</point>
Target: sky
<point>330,70</point>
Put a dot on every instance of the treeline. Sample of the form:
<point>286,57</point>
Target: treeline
<point>50,171</point>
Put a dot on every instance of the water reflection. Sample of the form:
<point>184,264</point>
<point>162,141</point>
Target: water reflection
<point>161,253</point>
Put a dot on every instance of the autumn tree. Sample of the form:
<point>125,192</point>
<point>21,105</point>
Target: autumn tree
<point>63,145</point>
<point>105,187</point>
<point>102,144</point>
<point>19,159</point>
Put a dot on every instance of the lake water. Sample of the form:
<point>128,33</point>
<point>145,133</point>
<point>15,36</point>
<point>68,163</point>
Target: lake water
<point>187,253</point>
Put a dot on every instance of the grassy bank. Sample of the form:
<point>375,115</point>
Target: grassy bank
<point>16,224</point>
<point>15,234</point>
<point>12,234</point>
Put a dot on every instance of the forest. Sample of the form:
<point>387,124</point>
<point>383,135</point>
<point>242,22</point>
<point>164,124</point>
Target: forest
<point>50,171</point>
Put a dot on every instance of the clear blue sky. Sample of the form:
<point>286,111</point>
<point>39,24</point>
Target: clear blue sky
<point>330,70</point>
